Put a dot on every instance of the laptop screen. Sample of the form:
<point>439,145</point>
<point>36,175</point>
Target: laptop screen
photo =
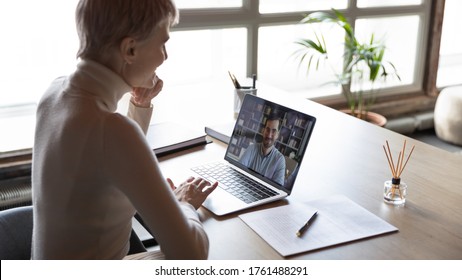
<point>269,141</point>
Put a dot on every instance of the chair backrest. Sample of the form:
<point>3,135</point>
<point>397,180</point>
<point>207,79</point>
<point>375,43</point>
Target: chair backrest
<point>16,233</point>
<point>291,164</point>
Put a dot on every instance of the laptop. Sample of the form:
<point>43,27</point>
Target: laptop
<point>264,154</point>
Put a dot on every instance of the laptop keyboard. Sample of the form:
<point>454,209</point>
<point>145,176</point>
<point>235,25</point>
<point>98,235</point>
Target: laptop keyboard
<point>234,182</point>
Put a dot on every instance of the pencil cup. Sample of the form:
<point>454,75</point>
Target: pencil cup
<point>395,191</point>
<point>239,94</point>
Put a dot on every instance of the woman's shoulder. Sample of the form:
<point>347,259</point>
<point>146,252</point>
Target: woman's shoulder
<point>121,128</point>
<point>50,93</point>
<point>119,123</point>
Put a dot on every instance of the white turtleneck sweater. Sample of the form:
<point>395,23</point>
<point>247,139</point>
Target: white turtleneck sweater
<point>92,169</point>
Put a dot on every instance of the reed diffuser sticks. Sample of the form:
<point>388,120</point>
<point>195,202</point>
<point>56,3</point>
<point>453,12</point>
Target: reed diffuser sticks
<point>396,170</point>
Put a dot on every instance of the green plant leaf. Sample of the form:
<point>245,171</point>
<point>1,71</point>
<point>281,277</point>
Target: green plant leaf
<point>361,60</point>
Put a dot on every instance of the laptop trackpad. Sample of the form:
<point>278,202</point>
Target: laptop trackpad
<point>220,202</point>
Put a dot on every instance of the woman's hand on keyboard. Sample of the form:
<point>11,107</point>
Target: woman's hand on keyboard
<point>193,191</point>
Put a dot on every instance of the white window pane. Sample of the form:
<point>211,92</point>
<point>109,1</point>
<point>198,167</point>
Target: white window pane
<point>401,47</point>
<point>450,64</point>
<point>451,42</point>
<point>278,67</point>
<point>38,45</point>
<point>17,139</point>
<point>388,3</point>
<point>200,55</point>
<point>204,4</point>
<point>278,6</point>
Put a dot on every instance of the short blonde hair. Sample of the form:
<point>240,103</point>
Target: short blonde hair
<point>102,24</point>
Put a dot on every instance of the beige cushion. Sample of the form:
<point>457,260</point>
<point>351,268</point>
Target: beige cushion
<point>448,115</point>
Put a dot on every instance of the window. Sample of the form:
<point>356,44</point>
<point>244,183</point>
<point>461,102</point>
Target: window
<point>207,4</point>
<point>277,7</point>
<point>388,3</point>
<point>278,67</point>
<point>450,62</point>
<point>38,44</point>
<point>273,27</point>
<point>404,48</point>
<point>243,36</point>
<point>201,55</point>
<point>214,36</point>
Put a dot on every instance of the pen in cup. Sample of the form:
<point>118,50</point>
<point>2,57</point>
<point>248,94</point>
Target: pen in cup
<point>237,85</point>
<point>234,80</point>
<point>306,225</point>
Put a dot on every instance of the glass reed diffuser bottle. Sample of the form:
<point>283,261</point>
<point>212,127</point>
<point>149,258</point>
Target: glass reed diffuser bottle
<point>395,190</point>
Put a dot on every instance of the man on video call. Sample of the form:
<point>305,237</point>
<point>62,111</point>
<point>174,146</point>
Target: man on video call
<point>263,157</point>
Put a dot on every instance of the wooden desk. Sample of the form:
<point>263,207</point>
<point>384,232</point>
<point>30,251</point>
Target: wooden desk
<point>345,156</point>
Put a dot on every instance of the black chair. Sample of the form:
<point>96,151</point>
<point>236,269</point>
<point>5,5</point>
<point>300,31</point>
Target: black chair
<point>16,233</point>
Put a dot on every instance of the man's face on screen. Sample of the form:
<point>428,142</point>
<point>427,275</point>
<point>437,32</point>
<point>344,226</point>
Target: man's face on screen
<point>271,133</point>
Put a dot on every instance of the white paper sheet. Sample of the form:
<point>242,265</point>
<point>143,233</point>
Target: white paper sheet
<point>339,220</point>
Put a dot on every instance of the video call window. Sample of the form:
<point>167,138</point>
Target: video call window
<point>295,129</point>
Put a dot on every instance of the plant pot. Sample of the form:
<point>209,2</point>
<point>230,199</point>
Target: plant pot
<point>371,117</point>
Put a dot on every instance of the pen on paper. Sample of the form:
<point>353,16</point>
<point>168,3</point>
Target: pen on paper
<point>306,225</point>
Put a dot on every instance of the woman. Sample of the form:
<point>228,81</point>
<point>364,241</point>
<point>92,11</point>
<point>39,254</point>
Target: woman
<point>92,167</point>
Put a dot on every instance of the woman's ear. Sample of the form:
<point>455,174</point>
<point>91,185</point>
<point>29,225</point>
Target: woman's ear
<point>128,50</point>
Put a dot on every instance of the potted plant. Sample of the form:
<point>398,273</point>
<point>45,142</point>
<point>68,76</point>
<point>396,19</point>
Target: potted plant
<point>362,62</point>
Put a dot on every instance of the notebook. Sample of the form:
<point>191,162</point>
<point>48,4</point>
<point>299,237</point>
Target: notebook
<point>249,177</point>
<point>169,137</point>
